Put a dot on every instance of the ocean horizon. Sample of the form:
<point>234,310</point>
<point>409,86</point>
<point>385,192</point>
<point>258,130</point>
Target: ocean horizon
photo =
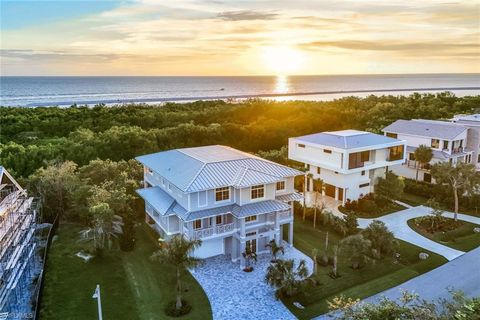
<point>30,91</point>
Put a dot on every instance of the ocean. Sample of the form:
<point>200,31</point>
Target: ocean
<point>65,91</point>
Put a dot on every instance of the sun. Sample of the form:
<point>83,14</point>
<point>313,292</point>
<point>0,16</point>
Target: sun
<point>282,60</point>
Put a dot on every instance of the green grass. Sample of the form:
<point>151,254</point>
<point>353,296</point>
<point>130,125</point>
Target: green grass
<point>462,238</point>
<point>416,200</point>
<point>369,280</point>
<point>132,286</point>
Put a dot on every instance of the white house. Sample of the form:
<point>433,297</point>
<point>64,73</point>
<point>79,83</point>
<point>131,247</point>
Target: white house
<point>18,263</point>
<point>227,198</point>
<point>447,140</point>
<point>472,122</point>
<point>347,161</point>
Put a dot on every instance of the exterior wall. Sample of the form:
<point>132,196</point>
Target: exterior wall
<point>210,248</point>
<point>315,155</point>
<point>155,180</point>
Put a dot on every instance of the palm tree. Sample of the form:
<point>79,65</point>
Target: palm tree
<point>249,255</point>
<point>314,256</point>
<point>287,280</point>
<point>423,155</point>
<point>325,252</point>
<point>357,248</point>
<point>178,253</point>
<point>275,249</point>
<point>335,260</point>
<point>317,188</point>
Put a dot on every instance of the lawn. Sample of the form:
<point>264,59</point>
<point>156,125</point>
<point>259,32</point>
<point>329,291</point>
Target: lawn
<point>417,200</point>
<point>132,286</point>
<point>462,238</point>
<point>369,280</point>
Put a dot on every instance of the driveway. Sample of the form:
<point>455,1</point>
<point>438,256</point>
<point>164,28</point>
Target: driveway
<point>235,294</point>
<point>397,223</point>
<point>459,274</point>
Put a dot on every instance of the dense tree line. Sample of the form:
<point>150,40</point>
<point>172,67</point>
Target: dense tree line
<point>32,137</point>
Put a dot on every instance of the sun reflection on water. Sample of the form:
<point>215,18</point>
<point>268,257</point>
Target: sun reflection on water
<point>282,84</point>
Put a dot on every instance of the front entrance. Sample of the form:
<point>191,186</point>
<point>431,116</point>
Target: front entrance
<point>340,194</point>
<point>252,244</point>
<point>330,190</point>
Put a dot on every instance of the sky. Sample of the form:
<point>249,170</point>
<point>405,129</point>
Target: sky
<point>238,37</point>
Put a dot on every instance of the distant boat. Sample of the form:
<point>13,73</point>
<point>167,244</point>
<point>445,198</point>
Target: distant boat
<point>222,89</point>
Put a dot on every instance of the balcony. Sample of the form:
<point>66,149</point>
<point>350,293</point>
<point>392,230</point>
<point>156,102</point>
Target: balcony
<point>208,232</point>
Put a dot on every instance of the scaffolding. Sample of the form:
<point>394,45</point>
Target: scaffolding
<point>18,261</point>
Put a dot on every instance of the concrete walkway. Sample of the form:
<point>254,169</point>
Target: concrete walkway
<point>458,274</point>
<point>235,294</point>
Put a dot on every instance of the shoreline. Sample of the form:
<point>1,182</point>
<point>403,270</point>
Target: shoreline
<point>280,96</point>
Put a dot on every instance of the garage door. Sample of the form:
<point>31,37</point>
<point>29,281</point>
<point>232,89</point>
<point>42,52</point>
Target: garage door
<point>330,190</point>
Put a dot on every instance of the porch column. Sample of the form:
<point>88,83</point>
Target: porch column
<point>242,228</point>
<point>277,228</point>
<point>336,193</point>
<point>214,224</point>
<point>242,250</point>
<point>290,234</point>
<point>234,255</point>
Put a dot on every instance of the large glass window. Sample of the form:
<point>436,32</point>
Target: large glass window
<point>357,159</point>
<point>396,153</point>
<point>258,191</point>
<point>222,194</point>
<point>197,224</point>
<point>250,218</point>
<point>435,143</point>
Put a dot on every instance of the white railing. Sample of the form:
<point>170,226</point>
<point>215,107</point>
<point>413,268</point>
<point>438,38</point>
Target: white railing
<point>208,232</point>
<point>285,215</point>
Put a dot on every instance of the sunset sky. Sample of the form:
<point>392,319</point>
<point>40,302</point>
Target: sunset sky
<point>226,37</point>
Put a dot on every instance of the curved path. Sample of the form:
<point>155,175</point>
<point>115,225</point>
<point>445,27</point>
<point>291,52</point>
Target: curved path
<point>397,223</point>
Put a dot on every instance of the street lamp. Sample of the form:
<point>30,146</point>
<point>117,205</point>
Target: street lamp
<point>96,295</point>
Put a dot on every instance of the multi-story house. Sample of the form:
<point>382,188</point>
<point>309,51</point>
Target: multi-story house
<point>18,263</point>
<point>472,122</point>
<point>348,162</point>
<point>447,140</point>
<point>229,199</point>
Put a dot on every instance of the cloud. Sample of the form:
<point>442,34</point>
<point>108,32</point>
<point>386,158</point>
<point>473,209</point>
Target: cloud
<point>246,15</point>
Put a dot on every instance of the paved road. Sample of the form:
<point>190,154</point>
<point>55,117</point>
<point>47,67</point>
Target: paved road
<point>461,274</point>
<point>397,223</point>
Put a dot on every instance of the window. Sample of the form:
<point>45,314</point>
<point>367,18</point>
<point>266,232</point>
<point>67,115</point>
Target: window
<point>318,170</point>
<point>258,192</point>
<point>250,218</point>
<point>363,172</point>
<point>392,135</point>
<point>427,177</point>
<point>435,143</point>
<point>307,166</point>
<point>222,194</point>
<point>327,150</point>
<point>300,145</point>
<point>445,144</point>
<point>197,224</point>
<point>357,159</point>
<point>411,156</point>
<point>396,153</point>
<point>219,219</point>
<point>363,185</point>
<point>280,185</point>
<point>249,234</point>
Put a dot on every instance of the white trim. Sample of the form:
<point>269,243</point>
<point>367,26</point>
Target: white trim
<point>260,198</point>
<point>225,200</point>
<point>284,186</point>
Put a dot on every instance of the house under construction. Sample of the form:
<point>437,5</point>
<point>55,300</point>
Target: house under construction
<point>18,262</point>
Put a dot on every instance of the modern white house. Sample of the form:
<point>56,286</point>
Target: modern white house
<point>229,199</point>
<point>18,263</point>
<point>348,161</point>
<point>472,122</point>
<point>448,141</point>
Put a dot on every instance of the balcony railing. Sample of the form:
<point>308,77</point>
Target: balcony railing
<point>208,232</point>
<point>414,164</point>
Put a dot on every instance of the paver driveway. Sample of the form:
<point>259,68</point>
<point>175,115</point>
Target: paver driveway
<point>237,295</point>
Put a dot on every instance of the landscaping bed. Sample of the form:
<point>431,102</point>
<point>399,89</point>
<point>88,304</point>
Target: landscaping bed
<point>369,280</point>
<point>370,207</point>
<point>132,286</point>
<point>457,235</point>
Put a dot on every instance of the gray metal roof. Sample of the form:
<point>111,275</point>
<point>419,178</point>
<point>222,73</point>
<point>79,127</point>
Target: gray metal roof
<point>295,196</point>
<point>347,139</point>
<point>157,198</point>
<point>426,128</point>
<point>250,209</point>
<point>210,167</point>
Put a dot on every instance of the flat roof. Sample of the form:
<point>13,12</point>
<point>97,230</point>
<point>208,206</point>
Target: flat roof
<point>347,139</point>
<point>426,128</point>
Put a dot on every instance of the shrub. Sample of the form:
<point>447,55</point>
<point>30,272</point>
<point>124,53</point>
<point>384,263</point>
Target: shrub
<point>419,188</point>
<point>367,206</point>
<point>172,311</point>
<point>380,237</point>
<point>351,223</point>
